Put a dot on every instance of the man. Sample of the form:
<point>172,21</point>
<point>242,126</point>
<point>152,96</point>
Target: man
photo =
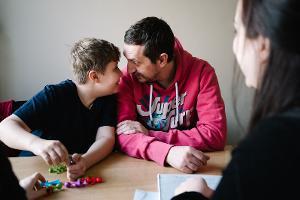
<point>170,105</point>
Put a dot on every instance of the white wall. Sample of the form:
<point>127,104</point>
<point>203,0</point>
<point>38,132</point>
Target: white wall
<point>36,35</point>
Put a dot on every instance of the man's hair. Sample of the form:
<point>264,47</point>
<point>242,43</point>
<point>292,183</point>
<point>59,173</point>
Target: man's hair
<point>153,33</point>
<point>92,54</point>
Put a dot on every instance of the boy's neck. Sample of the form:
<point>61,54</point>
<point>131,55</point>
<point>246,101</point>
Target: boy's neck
<point>85,95</point>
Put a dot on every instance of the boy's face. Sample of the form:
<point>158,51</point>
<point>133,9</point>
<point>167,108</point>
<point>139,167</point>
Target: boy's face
<point>110,78</point>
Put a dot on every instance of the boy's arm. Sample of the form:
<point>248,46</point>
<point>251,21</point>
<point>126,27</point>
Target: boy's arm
<point>16,134</point>
<point>105,140</point>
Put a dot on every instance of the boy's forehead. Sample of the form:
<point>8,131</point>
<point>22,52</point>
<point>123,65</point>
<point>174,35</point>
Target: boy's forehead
<point>111,65</point>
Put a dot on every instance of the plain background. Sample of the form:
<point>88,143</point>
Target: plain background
<point>36,37</point>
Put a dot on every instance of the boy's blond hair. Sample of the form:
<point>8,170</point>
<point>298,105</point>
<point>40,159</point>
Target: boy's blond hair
<point>92,54</point>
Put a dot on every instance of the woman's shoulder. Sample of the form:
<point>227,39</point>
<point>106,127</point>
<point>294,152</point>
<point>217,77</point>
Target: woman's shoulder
<point>278,131</point>
<point>281,123</point>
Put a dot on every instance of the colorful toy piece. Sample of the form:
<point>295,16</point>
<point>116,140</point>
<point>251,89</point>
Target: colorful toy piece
<point>52,185</point>
<point>58,169</point>
<point>82,182</point>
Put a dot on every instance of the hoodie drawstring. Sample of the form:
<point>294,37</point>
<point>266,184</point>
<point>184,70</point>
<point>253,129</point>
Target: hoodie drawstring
<point>150,102</point>
<point>176,99</point>
<point>177,110</point>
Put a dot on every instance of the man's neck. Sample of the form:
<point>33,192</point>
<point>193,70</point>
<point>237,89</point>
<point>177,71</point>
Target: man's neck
<point>167,74</point>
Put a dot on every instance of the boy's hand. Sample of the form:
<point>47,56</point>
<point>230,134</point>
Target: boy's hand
<point>52,151</point>
<point>31,185</point>
<point>186,159</point>
<point>196,184</point>
<point>131,127</point>
<point>77,169</point>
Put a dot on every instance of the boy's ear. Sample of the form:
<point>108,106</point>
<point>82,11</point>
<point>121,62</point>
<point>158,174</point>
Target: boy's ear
<point>163,59</point>
<point>94,76</point>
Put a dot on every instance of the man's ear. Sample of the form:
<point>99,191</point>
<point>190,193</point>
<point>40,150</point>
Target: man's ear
<point>94,76</point>
<point>264,48</point>
<point>163,59</point>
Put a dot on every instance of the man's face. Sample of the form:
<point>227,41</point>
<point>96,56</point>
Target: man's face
<point>139,65</point>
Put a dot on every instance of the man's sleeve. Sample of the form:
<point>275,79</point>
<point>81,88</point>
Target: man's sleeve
<point>137,145</point>
<point>210,131</point>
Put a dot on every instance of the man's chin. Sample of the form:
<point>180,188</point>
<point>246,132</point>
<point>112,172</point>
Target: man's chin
<point>141,80</point>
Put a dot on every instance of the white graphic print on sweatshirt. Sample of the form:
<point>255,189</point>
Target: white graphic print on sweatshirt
<point>163,112</point>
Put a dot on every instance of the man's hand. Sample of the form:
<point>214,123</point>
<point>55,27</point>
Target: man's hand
<point>77,169</point>
<point>31,185</point>
<point>131,127</point>
<point>186,159</point>
<point>196,184</point>
<point>52,151</point>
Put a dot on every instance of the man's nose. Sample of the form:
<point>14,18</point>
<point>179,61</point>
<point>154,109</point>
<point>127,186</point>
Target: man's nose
<point>131,68</point>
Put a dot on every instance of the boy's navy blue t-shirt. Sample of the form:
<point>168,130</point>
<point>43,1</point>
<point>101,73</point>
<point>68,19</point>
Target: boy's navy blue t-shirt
<point>58,111</point>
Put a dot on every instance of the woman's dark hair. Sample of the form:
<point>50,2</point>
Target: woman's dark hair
<point>155,34</point>
<point>278,20</point>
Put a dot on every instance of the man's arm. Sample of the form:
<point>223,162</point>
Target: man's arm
<point>141,145</point>
<point>137,145</point>
<point>210,131</point>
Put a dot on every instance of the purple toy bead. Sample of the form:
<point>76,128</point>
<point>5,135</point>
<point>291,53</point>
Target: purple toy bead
<point>68,184</point>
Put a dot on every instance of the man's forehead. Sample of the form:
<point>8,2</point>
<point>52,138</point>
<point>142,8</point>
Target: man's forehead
<point>133,51</point>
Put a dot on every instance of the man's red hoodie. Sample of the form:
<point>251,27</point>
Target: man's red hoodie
<point>196,119</point>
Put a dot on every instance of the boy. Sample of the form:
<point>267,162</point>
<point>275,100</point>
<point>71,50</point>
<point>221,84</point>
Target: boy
<point>75,117</point>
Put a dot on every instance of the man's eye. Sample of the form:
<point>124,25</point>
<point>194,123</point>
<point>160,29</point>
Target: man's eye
<point>134,62</point>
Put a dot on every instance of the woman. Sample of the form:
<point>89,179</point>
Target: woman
<point>265,164</point>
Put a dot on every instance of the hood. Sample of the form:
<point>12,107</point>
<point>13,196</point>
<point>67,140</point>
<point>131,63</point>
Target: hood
<point>183,60</point>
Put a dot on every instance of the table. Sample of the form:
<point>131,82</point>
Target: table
<point>122,175</point>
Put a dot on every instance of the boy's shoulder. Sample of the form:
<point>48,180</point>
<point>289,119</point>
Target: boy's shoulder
<point>63,86</point>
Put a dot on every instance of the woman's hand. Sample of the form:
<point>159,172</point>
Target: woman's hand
<point>197,184</point>
<point>31,185</point>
